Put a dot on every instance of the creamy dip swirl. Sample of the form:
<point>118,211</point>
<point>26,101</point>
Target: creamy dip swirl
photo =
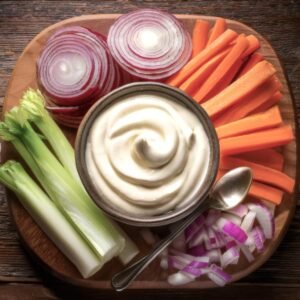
<point>147,154</point>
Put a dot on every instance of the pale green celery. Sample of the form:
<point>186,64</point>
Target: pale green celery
<point>50,219</point>
<point>67,194</point>
<point>33,103</point>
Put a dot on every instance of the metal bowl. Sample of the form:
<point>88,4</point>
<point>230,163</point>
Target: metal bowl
<point>132,89</point>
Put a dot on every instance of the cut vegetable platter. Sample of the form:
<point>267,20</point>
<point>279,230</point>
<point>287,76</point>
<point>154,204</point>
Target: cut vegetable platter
<point>47,254</point>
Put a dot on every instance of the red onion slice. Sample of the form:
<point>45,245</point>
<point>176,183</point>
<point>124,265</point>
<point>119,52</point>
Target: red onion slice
<point>149,44</point>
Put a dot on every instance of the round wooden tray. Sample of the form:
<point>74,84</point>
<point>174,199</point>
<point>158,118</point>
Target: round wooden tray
<point>45,252</point>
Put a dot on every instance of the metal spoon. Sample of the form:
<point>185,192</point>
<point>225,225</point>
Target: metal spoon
<point>229,191</point>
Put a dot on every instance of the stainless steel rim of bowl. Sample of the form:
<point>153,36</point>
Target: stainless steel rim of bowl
<point>178,96</point>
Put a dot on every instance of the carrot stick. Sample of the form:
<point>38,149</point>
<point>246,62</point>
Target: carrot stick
<point>200,36</point>
<point>267,157</point>
<point>231,58</point>
<point>210,51</point>
<point>226,80</point>
<point>261,173</point>
<point>249,103</point>
<point>217,30</point>
<point>273,100</point>
<point>270,118</point>
<point>264,139</point>
<point>266,192</point>
<point>193,82</point>
<point>239,88</point>
<point>252,61</point>
<point>253,45</point>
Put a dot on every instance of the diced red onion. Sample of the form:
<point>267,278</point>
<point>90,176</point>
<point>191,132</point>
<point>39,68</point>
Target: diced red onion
<point>258,238</point>
<point>249,256</point>
<point>264,218</point>
<point>197,250</point>
<point>233,218</point>
<point>240,210</point>
<point>199,238</point>
<point>218,276</point>
<point>214,255</point>
<point>180,278</point>
<point>232,230</point>
<point>248,221</point>
<point>194,228</point>
<point>149,44</point>
<point>212,216</point>
<point>230,257</point>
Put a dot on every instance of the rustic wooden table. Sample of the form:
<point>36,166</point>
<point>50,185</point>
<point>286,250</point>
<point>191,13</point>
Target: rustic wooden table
<point>278,21</point>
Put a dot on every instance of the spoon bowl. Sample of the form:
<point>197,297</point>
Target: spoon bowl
<point>227,193</point>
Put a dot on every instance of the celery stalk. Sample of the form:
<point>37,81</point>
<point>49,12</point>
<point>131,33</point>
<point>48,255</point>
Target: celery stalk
<point>33,102</point>
<point>49,218</point>
<point>66,193</point>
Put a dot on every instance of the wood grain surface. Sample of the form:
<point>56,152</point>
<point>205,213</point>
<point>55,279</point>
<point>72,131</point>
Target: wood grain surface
<point>279,278</point>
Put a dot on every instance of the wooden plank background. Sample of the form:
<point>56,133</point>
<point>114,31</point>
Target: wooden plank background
<point>278,21</point>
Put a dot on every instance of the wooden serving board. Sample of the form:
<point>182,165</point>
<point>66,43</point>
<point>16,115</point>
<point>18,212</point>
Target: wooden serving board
<point>45,252</point>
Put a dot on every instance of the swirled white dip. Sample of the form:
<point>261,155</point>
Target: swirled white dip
<point>147,154</point>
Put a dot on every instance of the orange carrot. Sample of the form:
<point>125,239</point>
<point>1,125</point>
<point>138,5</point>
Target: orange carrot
<point>269,119</point>
<point>264,139</point>
<point>267,157</point>
<point>231,58</point>
<point>194,81</point>
<point>210,51</point>
<point>273,100</point>
<point>200,36</point>
<point>252,61</point>
<point>249,103</point>
<point>253,45</point>
<point>217,30</point>
<point>266,192</point>
<point>226,80</point>
<point>260,173</point>
<point>239,88</point>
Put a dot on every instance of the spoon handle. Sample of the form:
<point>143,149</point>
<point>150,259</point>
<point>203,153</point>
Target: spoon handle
<point>121,280</point>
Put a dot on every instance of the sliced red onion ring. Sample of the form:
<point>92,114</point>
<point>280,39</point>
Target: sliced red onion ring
<point>264,218</point>
<point>214,255</point>
<point>197,250</point>
<point>74,70</point>
<point>149,44</point>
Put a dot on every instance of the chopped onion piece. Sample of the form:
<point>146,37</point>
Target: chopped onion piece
<point>264,218</point>
<point>248,221</point>
<point>233,218</point>
<point>240,210</point>
<point>232,230</point>
<point>180,278</point>
<point>218,276</point>
<point>230,257</point>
